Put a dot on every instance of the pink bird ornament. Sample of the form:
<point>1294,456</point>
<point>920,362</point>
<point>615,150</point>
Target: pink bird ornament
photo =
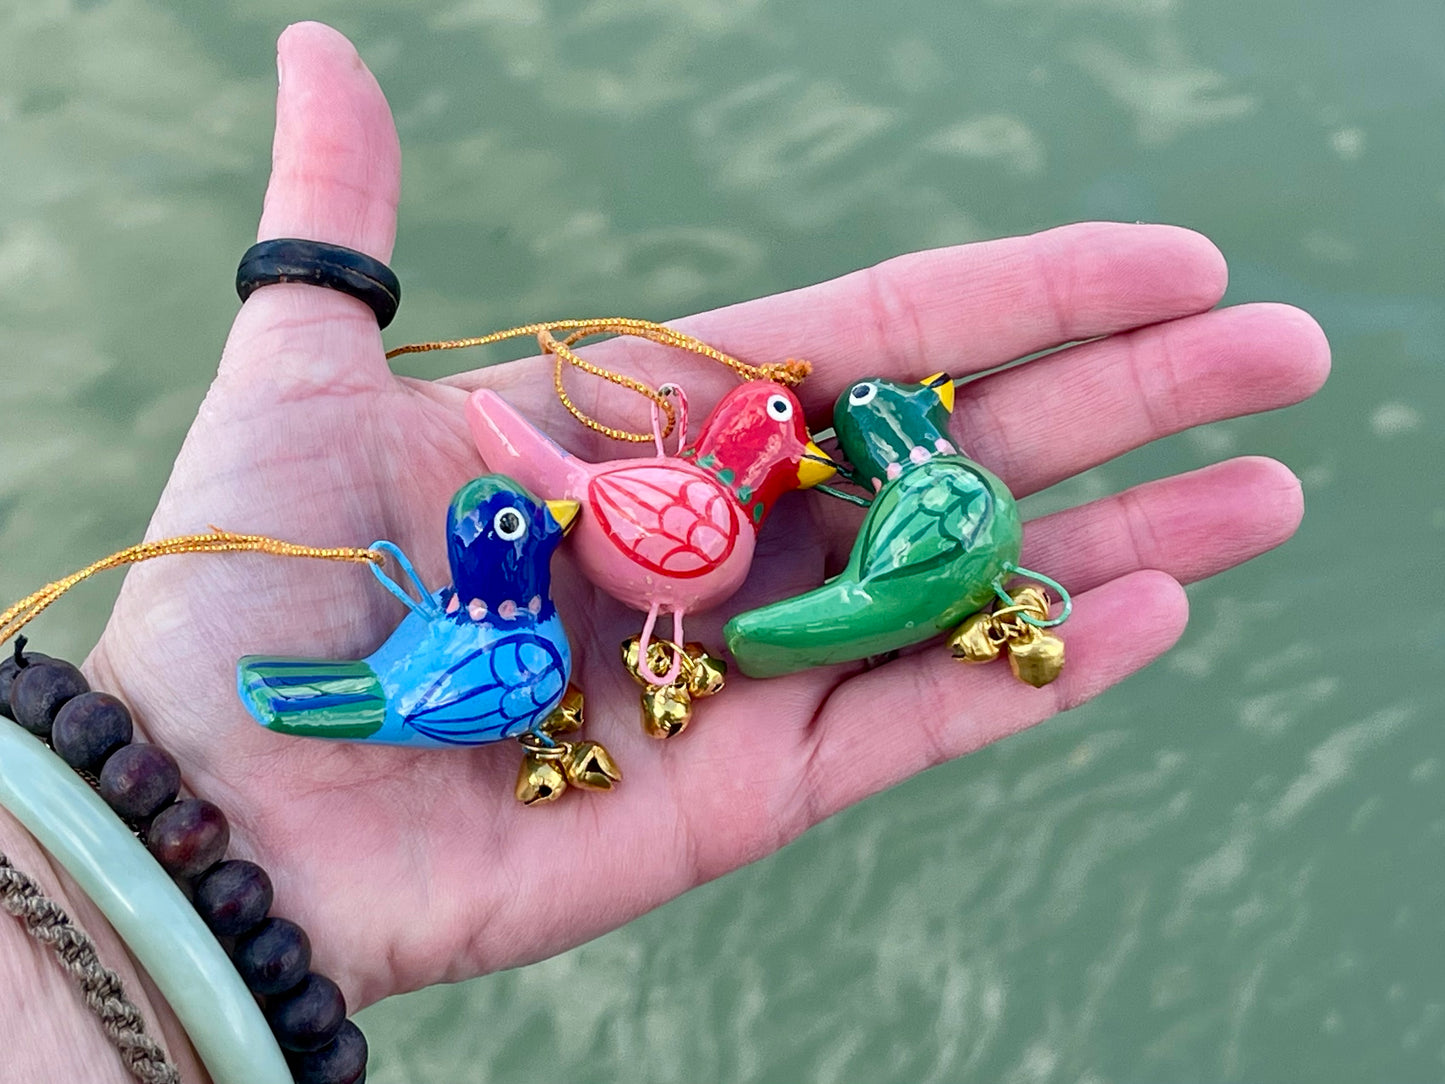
<point>666,534</point>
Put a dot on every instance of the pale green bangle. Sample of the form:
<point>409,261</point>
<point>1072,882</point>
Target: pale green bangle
<point>162,930</point>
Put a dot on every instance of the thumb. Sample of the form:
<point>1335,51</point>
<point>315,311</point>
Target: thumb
<point>335,177</point>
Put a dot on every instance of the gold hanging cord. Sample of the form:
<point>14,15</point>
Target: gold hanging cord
<point>27,609</point>
<point>790,372</point>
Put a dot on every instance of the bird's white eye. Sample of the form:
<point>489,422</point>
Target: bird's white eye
<point>780,407</point>
<point>862,394</point>
<point>509,524</point>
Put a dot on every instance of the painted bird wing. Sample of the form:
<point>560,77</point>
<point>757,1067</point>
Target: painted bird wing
<point>928,515</point>
<point>493,692</point>
<point>667,518</point>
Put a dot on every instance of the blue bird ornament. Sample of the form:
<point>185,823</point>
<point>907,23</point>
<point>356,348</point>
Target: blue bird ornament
<point>484,659</point>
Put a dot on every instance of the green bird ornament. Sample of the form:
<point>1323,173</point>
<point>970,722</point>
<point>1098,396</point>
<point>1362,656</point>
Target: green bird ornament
<point>940,539</point>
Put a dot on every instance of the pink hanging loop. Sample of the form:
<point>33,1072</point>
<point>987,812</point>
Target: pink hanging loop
<point>644,642</point>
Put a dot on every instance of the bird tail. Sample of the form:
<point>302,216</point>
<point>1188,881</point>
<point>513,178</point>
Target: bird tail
<point>313,697</point>
<point>789,635</point>
<point>512,445</point>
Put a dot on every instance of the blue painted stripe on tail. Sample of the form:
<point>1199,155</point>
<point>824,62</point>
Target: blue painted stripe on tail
<point>291,681</point>
<point>283,704</point>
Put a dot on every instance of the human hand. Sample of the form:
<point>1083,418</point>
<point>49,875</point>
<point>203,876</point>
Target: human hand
<point>410,867</point>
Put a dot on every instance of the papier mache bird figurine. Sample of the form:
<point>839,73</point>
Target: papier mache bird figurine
<point>939,543</point>
<point>483,659</point>
<point>667,534</point>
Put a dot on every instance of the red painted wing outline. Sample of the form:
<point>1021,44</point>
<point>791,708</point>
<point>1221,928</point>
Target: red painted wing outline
<point>668,519</point>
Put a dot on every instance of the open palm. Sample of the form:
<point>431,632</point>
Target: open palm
<point>411,866</point>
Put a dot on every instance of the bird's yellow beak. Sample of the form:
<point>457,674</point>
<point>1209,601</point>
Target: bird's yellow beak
<point>815,467</point>
<point>564,512</point>
<point>942,385</point>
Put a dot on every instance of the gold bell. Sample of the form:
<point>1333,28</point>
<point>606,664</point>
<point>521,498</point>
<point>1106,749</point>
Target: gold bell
<point>666,710</point>
<point>1033,600</point>
<point>976,640</point>
<point>705,674</point>
<point>540,779</point>
<point>590,766</point>
<point>567,718</point>
<point>631,659</point>
<point>659,658</point>
<point>1036,657</point>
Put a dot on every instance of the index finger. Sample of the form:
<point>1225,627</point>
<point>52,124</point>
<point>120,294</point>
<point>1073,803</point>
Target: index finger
<point>962,309</point>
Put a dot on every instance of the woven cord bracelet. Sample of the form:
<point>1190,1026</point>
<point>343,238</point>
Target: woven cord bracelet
<point>46,921</point>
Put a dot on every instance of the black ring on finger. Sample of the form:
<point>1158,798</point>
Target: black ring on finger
<point>316,263</point>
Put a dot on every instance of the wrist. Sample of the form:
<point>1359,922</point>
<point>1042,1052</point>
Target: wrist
<point>49,1032</point>
<point>304,1010</point>
<point>135,889</point>
<point>220,766</point>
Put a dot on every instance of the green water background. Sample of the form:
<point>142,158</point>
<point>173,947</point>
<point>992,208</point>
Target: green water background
<point>1229,868</point>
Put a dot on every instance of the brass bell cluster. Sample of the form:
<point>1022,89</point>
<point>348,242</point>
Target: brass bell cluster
<point>667,709</point>
<point>551,766</point>
<point>1035,655</point>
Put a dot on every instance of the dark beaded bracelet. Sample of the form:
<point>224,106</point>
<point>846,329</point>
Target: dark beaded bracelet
<point>92,732</point>
<point>273,957</point>
<point>309,1015</point>
<point>10,668</point>
<point>343,1061</point>
<point>189,837</point>
<point>139,781</point>
<point>40,690</point>
<point>89,728</point>
<point>233,897</point>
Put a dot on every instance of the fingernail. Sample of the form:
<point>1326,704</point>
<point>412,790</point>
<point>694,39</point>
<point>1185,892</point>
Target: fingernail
<point>281,56</point>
